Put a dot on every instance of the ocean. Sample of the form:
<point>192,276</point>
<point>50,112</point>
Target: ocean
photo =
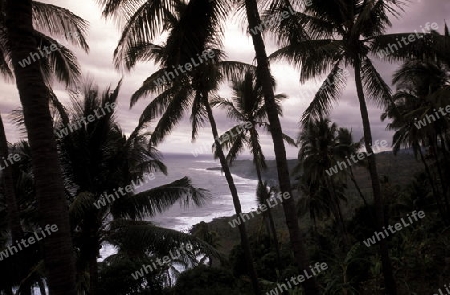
<point>182,219</point>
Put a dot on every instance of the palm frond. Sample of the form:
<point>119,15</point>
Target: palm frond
<point>59,107</point>
<point>140,52</point>
<point>228,105</point>
<point>62,62</point>
<point>328,93</point>
<point>234,144</point>
<point>144,237</point>
<point>424,46</point>
<point>262,192</point>
<point>298,26</point>
<point>232,70</point>
<point>159,199</point>
<point>61,22</point>
<point>174,112</point>
<point>120,8</point>
<point>377,90</point>
<point>81,205</point>
<point>143,23</point>
<point>156,83</point>
<point>312,62</point>
<point>5,57</point>
<point>374,17</point>
<point>199,27</point>
<point>289,140</point>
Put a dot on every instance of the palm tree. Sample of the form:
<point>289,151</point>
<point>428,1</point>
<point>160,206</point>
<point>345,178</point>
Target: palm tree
<point>345,33</point>
<point>265,78</point>
<point>98,160</point>
<point>34,95</point>
<point>420,92</point>
<point>263,192</point>
<point>247,106</point>
<point>318,152</point>
<point>345,148</point>
<point>154,242</point>
<point>137,33</point>
<point>316,141</point>
<point>192,29</point>
<point>49,22</point>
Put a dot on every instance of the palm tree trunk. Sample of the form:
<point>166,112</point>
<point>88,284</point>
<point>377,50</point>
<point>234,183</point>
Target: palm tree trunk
<point>275,236</point>
<point>338,212</point>
<point>355,183</point>
<point>236,202</point>
<point>265,223</point>
<point>353,179</point>
<point>260,183</point>
<point>269,210</point>
<point>389,280</point>
<point>341,220</point>
<point>52,204</point>
<point>263,73</point>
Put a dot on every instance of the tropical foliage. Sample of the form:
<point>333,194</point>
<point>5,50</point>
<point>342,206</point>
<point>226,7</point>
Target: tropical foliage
<point>94,180</point>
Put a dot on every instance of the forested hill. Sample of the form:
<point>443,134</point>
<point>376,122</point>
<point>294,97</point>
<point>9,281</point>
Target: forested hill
<point>400,168</point>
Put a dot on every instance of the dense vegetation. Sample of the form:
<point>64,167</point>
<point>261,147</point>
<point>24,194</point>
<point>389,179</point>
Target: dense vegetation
<point>73,179</point>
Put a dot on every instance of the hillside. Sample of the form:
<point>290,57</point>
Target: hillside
<point>400,169</point>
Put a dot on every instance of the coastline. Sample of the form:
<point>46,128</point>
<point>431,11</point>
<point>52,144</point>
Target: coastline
<point>246,169</point>
<point>388,164</point>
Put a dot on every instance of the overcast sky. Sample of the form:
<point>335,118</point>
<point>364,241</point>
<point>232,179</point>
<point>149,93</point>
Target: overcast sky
<point>102,39</point>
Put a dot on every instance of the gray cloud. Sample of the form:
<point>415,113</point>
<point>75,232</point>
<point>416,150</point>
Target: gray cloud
<point>103,37</point>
